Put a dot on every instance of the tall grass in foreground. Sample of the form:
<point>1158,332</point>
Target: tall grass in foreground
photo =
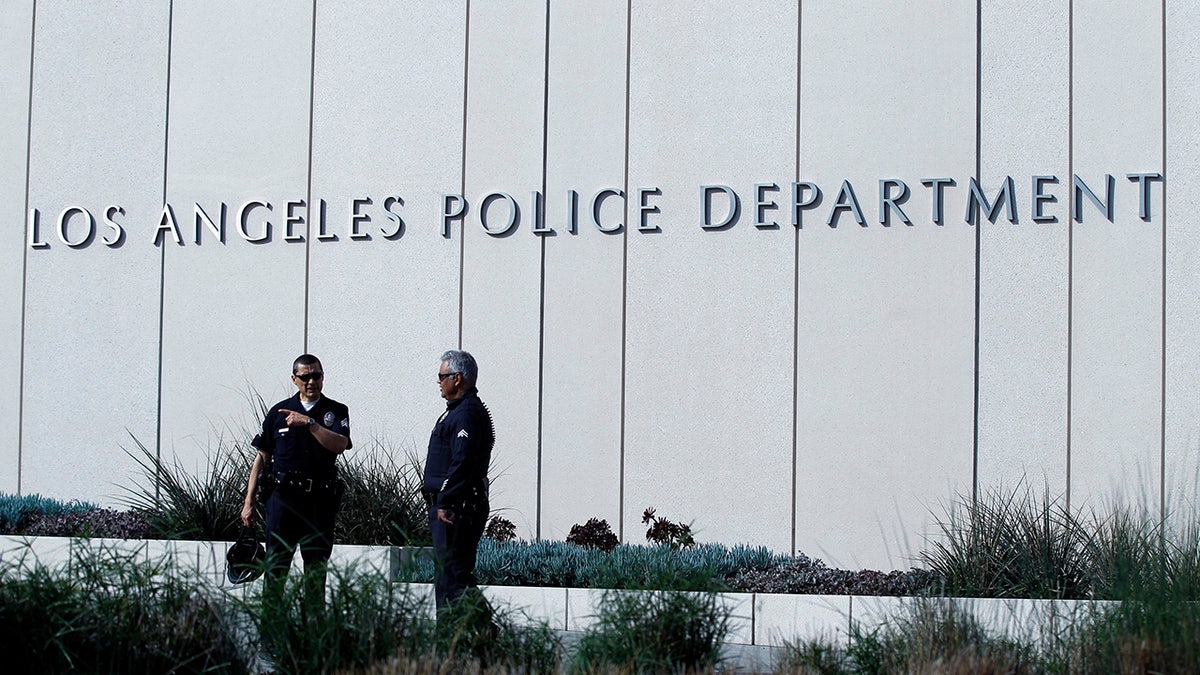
<point>1145,576</point>
<point>647,632</point>
<point>106,611</point>
<point>366,619</point>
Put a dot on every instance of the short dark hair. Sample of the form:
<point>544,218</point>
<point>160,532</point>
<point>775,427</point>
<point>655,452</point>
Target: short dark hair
<point>304,360</point>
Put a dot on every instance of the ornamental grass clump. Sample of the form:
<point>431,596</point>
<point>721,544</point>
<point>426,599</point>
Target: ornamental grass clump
<point>110,611</point>
<point>182,505</point>
<point>382,503</point>
<point>1010,544</point>
<point>365,620</point>
<point>654,632</point>
<point>937,636</point>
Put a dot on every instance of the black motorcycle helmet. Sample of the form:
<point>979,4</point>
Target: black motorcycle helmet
<point>245,560</point>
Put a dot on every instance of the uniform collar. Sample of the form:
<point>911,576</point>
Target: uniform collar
<point>453,403</point>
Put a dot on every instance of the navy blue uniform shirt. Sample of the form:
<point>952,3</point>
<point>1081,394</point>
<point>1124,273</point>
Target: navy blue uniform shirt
<point>460,449</point>
<point>295,449</point>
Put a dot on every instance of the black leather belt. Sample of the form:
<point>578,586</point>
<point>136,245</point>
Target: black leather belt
<point>305,483</point>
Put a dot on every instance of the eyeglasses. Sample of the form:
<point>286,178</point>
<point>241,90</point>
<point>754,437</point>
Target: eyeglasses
<point>305,377</point>
<point>442,376</point>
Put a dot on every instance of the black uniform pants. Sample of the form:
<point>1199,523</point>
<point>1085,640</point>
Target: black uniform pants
<point>454,547</point>
<point>304,520</point>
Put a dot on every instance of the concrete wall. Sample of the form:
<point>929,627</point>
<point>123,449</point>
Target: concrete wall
<point>818,386</point>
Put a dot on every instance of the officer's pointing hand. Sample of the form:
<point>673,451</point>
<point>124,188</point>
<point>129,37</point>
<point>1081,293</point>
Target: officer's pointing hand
<point>295,419</point>
<point>446,516</point>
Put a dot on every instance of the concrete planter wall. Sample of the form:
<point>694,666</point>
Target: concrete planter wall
<point>760,619</point>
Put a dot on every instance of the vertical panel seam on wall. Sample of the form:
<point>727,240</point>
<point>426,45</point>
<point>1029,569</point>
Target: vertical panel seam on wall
<point>978,242</point>
<point>1162,422</point>
<point>312,96</point>
<point>1070,226</point>
<point>624,277</point>
<point>540,211</point>
<point>25,252</point>
<point>462,177</point>
<point>162,254</point>
<point>796,281</point>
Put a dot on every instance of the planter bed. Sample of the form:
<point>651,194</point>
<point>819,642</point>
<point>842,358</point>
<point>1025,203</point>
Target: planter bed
<point>759,619</point>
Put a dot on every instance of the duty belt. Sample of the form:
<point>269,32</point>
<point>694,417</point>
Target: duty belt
<point>305,482</point>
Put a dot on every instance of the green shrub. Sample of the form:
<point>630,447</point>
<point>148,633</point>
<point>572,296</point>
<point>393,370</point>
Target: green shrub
<point>665,532</point>
<point>110,611</point>
<point>1016,545</point>
<point>16,511</point>
<point>595,533</point>
<point>366,619</point>
<point>382,504</point>
<point>556,563</point>
<point>1010,545</point>
<point>934,634</point>
<point>654,632</point>
<point>180,505</point>
<point>471,631</point>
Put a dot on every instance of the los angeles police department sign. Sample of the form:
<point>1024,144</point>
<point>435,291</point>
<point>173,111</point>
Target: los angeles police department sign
<point>500,214</point>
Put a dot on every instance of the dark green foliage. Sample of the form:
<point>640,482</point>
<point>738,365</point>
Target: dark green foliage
<point>471,631</point>
<point>802,574</point>
<point>663,531</point>
<point>366,619</point>
<point>1151,635</point>
<point>105,523</point>
<point>16,512</point>
<point>109,611</point>
<point>500,528</point>
<point>595,533</point>
<point>181,505</point>
<point>1014,545</point>
<point>1011,545</point>
<point>818,657</point>
<point>556,563</point>
<point>654,632</point>
<point>937,632</point>
<point>382,504</point>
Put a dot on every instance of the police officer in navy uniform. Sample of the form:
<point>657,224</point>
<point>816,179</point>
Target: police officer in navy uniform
<point>456,482</point>
<point>300,441</point>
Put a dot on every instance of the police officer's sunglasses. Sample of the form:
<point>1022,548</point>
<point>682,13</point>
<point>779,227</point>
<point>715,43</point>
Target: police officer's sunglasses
<point>305,377</point>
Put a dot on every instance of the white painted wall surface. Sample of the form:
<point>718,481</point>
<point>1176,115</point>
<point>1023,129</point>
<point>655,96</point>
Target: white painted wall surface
<point>91,331</point>
<point>386,122</point>
<point>233,313</point>
<point>1182,321</point>
<point>1116,365</point>
<point>1024,272</point>
<point>585,273</point>
<point>506,75</point>
<point>15,38</point>
<point>886,322</point>
<point>808,389</point>
<point>709,318</point>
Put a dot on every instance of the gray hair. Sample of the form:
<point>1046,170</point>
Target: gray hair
<point>463,363</point>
